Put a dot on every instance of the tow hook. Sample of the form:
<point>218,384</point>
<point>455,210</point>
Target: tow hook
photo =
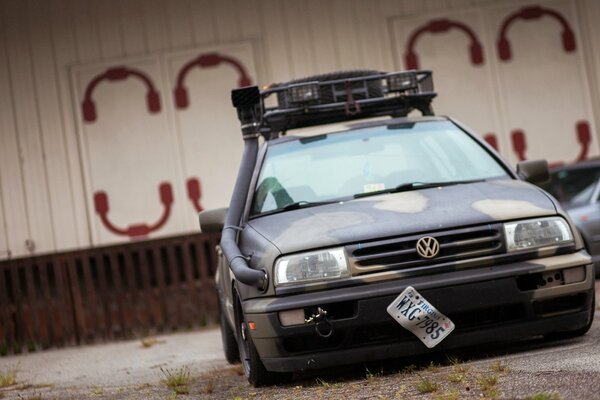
<point>323,327</point>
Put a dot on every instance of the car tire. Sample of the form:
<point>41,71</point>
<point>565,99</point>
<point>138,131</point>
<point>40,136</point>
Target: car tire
<point>230,347</point>
<point>577,332</point>
<point>254,369</point>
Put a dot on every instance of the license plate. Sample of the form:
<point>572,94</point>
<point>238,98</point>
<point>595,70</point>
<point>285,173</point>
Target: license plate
<point>415,313</point>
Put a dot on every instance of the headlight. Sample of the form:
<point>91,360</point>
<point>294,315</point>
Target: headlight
<point>534,233</point>
<point>311,266</point>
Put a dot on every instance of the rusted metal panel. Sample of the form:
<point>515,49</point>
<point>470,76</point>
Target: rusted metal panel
<point>107,293</point>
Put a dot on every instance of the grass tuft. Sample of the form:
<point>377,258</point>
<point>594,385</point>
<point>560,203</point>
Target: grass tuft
<point>432,367</point>
<point>322,382</point>
<point>453,360</point>
<point>545,396</point>
<point>409,369</point>
<point>487,382</point>
<point>209,386</point>
<point>177,379</point>
<point>456,378</point>
<point>97,391</point>
<point>8,377</point>
<point>499,367</point>
<point>460,368</point>
<point>426,385</point>
<point>488,385</point>
<point>451,395</point>
<point>370,377</point>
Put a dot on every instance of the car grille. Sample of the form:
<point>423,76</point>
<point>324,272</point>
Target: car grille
<point>401,253</point>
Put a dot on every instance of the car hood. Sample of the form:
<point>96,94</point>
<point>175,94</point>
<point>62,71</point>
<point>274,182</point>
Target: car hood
<point>396,214</point>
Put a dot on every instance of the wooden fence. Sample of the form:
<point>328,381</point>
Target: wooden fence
<point>107,293</point>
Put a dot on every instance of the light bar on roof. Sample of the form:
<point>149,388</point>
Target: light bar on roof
<point>303,92</point>
<point>402,82</point>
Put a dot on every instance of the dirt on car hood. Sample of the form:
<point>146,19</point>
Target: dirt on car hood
<point>397,214</point>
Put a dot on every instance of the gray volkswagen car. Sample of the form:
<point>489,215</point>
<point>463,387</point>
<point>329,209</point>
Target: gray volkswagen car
<point>396,236</point>
<point>577,188</point>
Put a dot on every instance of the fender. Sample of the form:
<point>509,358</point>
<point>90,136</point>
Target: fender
<point>534,13</point>
<point>203,61</point>
<point>113,75</point>
<point>441,26</point>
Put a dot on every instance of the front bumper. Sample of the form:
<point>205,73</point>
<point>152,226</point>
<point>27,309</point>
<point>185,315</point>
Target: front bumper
<point>486,304</point>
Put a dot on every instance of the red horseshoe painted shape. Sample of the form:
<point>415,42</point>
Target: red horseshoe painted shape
<point>194,191</point>
<point>531,13</point>
<point>135,230</point>
<point>411,58</point>
<point>584,138</point>
<point>204,61</point>
<point>118,74</point>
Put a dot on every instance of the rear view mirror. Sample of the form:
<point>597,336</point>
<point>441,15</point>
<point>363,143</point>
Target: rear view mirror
<point>534,171</point>
<point>211,221</point>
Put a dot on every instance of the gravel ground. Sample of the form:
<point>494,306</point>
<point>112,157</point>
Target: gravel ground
<point>568,369</point>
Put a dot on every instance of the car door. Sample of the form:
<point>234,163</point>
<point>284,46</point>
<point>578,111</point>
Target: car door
<point>587,219</point>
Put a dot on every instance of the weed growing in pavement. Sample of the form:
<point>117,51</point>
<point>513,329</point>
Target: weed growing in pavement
<point>432,367</point>
<point>369,376</point>
<point>456,378</point>
<point>409,369</point>
<point>487,382</point>
<point>34,397</point>
<point>8,376</point>
<point>209,386</point>
<point>322,382</point>
<point>451,395</point>
<point>488,385</point>
<point>177,379</point>
<point>452,359</point>
<point>426,385</point>
<point>148,342</point>
<point>97,391</point>
<point>545,396</point>
<point>499,367</point>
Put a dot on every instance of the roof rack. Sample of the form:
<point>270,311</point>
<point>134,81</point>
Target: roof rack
<point>322,100</point>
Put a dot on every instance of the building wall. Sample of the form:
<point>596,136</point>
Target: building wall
<point>55,164</point>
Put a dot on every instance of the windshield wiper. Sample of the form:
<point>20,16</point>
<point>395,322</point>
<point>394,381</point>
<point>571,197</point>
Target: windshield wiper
<point>302,203</point>
<point>405,187</point>
<point>297,205</point>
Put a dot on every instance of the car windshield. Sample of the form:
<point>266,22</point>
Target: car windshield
<point>565,185</point>
<point>584,197</point>
<point>369,160</point>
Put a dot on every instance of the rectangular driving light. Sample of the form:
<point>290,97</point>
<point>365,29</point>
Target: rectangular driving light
<point>402,82</point>
<point>291,317</point>
<point>303,93</point>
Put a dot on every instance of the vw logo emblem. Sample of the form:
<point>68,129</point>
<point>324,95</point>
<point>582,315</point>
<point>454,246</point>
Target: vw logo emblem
<point>428,247</point>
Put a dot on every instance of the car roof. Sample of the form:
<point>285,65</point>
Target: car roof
<point>336,128</point>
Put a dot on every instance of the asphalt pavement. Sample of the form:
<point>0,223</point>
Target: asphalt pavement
<point>120,364</point>
<point>136,363</point>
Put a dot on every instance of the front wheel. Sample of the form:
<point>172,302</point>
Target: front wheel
<point>254,369</point>
<point>230,347</point>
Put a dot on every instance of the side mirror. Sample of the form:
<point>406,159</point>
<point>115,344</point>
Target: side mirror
<point>535,171</point>
<point>211,221</point>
